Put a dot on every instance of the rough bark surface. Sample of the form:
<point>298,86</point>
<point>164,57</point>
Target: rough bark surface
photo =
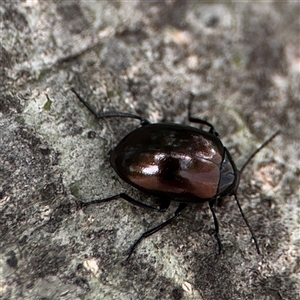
<point>242,62</point>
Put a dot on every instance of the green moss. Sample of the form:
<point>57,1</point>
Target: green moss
<point>237,59</point>
<point>74,189</point>
<point>20,120</point>
<point>47,105</point>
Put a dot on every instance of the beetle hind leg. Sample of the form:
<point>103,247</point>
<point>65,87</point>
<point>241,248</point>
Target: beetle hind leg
<point>157,228</point>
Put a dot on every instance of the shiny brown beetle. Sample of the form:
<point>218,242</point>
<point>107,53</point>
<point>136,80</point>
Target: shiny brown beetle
<point>175,163</point>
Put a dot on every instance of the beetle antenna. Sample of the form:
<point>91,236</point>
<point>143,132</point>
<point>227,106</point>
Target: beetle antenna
<point>247,223</point>
<point>241,170</point>
<point>258,149</point>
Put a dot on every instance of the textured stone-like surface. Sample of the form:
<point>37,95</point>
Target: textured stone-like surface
<point>242,63</point>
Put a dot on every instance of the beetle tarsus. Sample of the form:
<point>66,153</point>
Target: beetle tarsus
<point>220,246</point>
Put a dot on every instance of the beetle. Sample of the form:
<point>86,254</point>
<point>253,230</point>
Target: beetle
<point>175,163</point>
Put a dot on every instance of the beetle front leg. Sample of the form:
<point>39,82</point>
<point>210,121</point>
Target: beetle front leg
<point>212,209</point>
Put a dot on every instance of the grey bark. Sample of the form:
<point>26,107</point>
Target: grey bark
<point>241,60</point>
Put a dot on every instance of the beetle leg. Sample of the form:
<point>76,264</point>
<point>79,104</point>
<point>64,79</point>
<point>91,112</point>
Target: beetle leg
<point>212,209</point>
<point>157,228</point>
<point>109,114</point>
<point>163,206</point>
<point>198,120</point>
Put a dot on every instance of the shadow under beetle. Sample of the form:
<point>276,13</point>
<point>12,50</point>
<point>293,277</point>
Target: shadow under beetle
<point>175,163</point>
